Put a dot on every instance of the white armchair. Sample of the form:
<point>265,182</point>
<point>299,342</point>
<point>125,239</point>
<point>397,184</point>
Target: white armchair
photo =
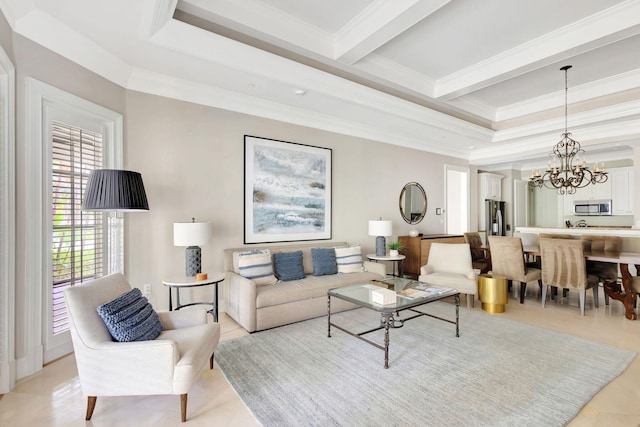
<point>450,265</point>
<point>170,364</point>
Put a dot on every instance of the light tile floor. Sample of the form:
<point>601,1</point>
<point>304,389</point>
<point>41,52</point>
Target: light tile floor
<point>52,397</point>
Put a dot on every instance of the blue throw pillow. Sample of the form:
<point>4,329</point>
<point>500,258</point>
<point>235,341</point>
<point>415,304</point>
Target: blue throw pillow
<point>324,261</point>
<point>288,265</point>
<point>130,317</point>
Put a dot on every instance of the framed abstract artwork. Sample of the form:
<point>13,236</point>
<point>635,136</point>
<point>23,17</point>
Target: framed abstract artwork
<point>287,191</point>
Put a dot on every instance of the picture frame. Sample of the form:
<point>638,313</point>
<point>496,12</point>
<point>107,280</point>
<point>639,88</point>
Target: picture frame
<point>287,191</point>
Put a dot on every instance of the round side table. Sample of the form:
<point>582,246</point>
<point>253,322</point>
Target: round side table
<point>191,282</point>
<point>399,259</point>
<point>492,291</point>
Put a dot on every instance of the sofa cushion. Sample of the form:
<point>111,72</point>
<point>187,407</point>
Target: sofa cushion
<point>349,259</point>
<point>289,266</point>
<point>130,317</point>
<point>324,261</point>
<point>310,287</point>
<point>257,266</point>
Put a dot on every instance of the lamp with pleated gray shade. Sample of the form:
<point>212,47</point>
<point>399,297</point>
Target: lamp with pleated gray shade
<point>380,229</point>
<point>115,190</point>
<point>191,234</point>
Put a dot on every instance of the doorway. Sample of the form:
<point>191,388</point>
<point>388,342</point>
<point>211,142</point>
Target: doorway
<point>456,199</point>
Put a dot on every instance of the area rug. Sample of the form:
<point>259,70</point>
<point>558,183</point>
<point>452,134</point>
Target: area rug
<point>497,373</point>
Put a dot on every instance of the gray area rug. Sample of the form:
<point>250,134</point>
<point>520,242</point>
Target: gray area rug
<point>497,373</point>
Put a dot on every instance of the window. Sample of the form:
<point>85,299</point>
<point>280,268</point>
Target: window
<point>61,136</point>
<point>77,237</point>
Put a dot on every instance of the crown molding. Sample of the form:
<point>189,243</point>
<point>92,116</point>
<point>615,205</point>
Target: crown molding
<point>616,112</point>
<point>619,83</point>
<point>259,19</point>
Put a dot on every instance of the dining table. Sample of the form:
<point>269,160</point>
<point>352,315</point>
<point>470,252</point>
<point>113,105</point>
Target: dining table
<point>625,293</point>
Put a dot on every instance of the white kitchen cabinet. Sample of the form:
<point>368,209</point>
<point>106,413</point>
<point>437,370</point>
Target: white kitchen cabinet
<point>490,187</point>
<point>601,191</point>
<point>622,188</point>
<point>566,203</point>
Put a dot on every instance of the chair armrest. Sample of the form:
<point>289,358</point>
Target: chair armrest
<point>426,269</point>
<point>241,303</point>
<point>182,318</point>
<point>376,267</point>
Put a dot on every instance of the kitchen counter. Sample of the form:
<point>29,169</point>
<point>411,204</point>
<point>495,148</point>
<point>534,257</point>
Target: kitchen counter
<point>630,236</point>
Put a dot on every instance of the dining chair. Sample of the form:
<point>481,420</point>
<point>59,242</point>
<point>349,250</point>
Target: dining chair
<point>480,255</point>
<point>607,272</point>
<point>449,265</point>
<point>507,259</point>
<point>529,240</point>
<point>564,266</point>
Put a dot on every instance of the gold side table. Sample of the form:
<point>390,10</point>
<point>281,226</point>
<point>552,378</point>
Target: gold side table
<point>492,290</point>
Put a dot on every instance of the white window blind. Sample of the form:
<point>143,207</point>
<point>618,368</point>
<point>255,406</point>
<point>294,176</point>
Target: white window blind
<point>78,241</point>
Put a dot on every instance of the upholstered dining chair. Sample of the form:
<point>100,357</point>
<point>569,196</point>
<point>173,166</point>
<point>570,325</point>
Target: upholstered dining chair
<point>450,266</point>
<point>168,364</point>
<point>564,266</point>
<point>480,256</point>
<point>607,272</point>
<point>507,259</point>
<point>529,240</point>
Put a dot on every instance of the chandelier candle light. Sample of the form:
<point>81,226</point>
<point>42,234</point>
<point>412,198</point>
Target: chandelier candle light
<point>565,172</point>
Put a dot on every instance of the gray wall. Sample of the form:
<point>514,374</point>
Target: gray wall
<point>191,160</point>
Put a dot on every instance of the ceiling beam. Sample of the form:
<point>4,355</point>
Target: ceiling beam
<point>608,26</point>
<point>379,23</point>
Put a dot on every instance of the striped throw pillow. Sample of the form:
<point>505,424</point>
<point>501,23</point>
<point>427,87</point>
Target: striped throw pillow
<point>256,265</point>
<point>349,259</point>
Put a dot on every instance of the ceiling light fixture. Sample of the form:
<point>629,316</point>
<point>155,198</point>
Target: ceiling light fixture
<point>300,92</point>
<point>564,171</point>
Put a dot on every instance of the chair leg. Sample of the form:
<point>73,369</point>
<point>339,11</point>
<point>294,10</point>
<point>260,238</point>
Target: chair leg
<point>583,295</point>
<point>91,405</point>
<point>544,294</point>
<point>523,290</point>
<point>470,301</point>
<point>183,407</point>
<point>596,297</point>
<point>211,361</point>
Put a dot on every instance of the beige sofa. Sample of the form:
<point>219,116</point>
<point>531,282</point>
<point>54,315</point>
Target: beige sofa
<point>259,307</point>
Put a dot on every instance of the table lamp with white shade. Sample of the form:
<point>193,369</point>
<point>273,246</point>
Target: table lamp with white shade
<point>192,234</point>
<point>380,229</point>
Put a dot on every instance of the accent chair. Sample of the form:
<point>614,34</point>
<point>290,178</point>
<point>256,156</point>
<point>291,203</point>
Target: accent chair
<point>450,266</point>
<point>169,364</point>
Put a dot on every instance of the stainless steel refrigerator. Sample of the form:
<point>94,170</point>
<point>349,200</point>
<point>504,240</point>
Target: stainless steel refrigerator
<point>494,218</point>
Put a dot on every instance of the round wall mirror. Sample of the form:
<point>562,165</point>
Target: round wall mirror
<point>413,203</point>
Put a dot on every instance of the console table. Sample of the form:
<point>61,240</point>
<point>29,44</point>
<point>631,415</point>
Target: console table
<point>417,249</point>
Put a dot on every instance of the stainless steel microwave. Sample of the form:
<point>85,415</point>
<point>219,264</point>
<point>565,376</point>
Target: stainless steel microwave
<point>592,207</point>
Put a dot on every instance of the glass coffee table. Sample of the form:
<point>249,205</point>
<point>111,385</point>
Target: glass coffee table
<point>410,294</point>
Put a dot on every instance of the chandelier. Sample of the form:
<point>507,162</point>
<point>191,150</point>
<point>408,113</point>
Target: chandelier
<point>565,171</point>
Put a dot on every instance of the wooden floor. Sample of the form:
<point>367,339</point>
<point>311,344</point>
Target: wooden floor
<point>53,396</point>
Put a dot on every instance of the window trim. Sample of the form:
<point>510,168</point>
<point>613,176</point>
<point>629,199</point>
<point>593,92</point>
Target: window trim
<point>46,103</point>
<point>7,223</point>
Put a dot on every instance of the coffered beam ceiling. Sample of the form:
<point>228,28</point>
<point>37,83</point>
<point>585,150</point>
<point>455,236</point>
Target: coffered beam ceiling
<point>475,80</point>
